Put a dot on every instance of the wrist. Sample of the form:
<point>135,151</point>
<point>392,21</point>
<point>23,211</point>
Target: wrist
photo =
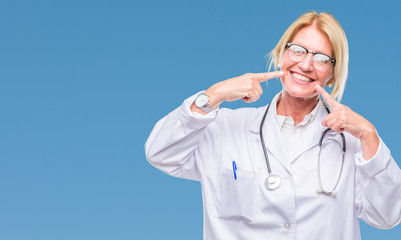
<point>368,133</point>
<point>215,96</point>
<point>370,142</point>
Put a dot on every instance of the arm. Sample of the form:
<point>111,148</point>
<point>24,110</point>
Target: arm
<point>378,189</point>
<point>172,145</point>
<point>378,178</point>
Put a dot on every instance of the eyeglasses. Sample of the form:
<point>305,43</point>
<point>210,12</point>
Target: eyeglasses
<point>297,53</point>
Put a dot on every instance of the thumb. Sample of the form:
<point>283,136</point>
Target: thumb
<point>324,122</point>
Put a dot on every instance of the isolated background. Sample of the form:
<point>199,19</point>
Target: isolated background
<point>82,83</point>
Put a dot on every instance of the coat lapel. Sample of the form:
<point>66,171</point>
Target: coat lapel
<point>272,136</point>
<point>311,139</point>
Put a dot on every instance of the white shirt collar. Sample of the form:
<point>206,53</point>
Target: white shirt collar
<point>289,121</point>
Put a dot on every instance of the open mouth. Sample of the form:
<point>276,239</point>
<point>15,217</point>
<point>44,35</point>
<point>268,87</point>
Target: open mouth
<point>301,78</point>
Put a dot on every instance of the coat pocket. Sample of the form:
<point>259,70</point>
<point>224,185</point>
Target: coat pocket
<point>236,197</point>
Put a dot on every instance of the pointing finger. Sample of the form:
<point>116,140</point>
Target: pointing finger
<point>268,75</point>
<point>327,97</point>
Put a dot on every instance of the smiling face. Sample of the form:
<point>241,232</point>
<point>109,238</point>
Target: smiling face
<point>300,78</point>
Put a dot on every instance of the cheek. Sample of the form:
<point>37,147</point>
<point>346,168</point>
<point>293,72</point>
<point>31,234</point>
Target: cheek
<point>286,63</point>
<point>324,77</point>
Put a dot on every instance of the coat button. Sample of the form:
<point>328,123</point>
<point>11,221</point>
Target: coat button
<point>287,225</point>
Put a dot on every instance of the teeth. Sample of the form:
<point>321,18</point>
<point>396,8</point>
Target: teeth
<point>301,78</point>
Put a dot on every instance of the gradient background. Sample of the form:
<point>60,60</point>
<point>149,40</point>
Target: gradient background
<point>83,83</point>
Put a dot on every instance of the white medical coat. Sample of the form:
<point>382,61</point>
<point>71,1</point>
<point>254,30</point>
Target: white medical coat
<point>202,147</point>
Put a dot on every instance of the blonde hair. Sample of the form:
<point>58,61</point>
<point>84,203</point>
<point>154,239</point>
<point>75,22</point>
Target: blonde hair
<point>328,25</point>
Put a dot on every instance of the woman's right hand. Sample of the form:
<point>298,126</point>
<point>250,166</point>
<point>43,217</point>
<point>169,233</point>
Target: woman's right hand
<point>246,87</point>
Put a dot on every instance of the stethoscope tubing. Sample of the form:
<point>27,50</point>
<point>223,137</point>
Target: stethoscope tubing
<point>321,190</point>
<point>263,141</point>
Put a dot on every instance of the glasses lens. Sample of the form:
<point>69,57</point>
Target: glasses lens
<point>321,61</point>
<point>296,53</point>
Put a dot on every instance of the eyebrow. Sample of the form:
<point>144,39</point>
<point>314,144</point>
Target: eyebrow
<point>313,51</point>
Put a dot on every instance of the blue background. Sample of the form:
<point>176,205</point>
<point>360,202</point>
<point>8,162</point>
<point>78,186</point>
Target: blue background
<point>83,83</point>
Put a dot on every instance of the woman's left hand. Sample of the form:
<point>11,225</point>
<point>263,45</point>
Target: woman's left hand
<point>343,119</point>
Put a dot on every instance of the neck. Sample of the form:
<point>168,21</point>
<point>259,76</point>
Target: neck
<point>297,108</point>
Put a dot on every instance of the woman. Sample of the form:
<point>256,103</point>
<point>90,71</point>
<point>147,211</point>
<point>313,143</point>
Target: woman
<point>222,148</point>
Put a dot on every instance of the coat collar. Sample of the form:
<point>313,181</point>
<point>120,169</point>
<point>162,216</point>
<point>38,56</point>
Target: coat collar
<point>273,137</point>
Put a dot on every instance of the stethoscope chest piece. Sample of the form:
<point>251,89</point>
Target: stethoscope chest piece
<point>272,182</point>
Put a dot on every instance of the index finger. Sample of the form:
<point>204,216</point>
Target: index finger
<point>268,75</point>
<point>327,97</point>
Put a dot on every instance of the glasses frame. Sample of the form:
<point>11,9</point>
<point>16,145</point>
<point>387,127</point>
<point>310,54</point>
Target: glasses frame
<point>332,60</point>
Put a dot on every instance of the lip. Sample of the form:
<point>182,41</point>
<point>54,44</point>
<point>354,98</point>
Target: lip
<point>300,82</point>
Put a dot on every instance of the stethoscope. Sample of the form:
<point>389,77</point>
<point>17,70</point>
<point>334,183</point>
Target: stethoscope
<point>273,181</point>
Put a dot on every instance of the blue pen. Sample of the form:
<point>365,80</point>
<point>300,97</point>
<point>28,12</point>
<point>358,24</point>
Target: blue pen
<point>234,170</point>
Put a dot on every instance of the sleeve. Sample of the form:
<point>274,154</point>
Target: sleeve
<point>378,189</point>
<point>173,141</point>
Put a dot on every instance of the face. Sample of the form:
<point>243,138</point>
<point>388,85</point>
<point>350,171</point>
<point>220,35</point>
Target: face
<point>300,78</point>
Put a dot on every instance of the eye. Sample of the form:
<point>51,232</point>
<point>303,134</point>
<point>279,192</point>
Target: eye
<point>297,50</point>
<point>322,59</point>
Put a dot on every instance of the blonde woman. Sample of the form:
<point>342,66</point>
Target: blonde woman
<point>297,168</point>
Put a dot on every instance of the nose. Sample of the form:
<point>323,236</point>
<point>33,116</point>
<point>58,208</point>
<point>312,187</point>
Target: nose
<point>307,64</point>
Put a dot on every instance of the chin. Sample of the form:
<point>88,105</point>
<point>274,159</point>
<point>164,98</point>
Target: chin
<point>297,92</point>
